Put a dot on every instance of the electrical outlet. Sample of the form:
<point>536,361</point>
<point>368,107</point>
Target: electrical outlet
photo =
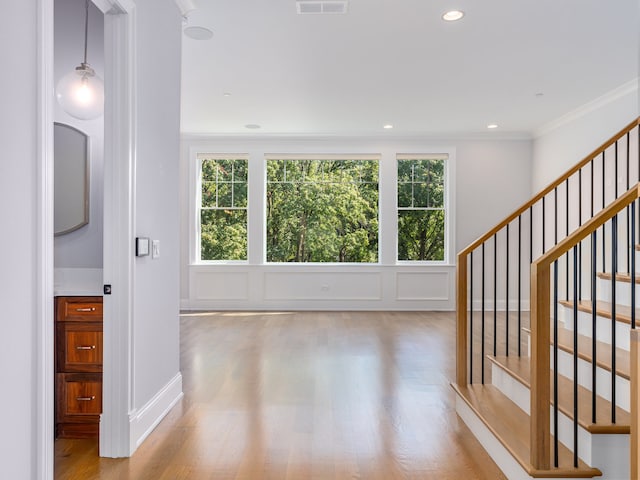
<point>155,249</point>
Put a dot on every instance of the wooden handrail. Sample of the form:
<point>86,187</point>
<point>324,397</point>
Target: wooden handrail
<point>550,188</point>
<point>588,228</point>
<point>541,320</point>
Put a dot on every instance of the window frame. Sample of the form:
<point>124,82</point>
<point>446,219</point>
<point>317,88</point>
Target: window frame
<point>196,228</point>
<point>447,201</point>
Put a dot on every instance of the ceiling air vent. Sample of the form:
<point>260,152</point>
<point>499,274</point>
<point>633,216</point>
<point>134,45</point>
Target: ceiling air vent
<point>321,6</point>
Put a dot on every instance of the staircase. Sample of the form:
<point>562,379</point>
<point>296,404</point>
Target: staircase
<point>548,389</point>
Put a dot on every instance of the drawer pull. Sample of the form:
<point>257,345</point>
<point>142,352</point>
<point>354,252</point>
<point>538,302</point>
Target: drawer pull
<point>88,309</point>
<point>86,399</point>
<point>86,347</point>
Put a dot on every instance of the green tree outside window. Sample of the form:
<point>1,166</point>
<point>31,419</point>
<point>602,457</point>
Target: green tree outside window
<point>223,209</point>
<point>322,211</point>
<point>421,209</point>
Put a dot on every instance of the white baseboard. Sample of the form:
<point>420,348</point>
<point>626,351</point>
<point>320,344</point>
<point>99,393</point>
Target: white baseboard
<point>143,420</point>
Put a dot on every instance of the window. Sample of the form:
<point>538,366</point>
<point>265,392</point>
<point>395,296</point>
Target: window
<point>421,208</point>
<point>223,208</point>
<point>322,210</point>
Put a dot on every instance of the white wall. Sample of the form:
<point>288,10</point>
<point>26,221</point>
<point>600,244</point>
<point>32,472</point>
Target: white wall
<point>492,183</point>
<point>81,248</point>
<point>156,336</point>
<point>18,243</point>
<point>563,143</point>
<point>501,167</point>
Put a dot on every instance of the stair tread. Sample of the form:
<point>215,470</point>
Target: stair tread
<point>620,277</point>
<point>603,352</point>
<point>520,369</point>
<point>510,425</point>
<point>604,309</point>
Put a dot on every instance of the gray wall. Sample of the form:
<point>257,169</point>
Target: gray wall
<point>18,276</point>
<point>156,335</point>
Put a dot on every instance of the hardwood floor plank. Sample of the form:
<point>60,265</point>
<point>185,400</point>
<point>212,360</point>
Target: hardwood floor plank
<point>305,395</point>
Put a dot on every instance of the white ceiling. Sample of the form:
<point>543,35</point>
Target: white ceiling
<point>398,62</point>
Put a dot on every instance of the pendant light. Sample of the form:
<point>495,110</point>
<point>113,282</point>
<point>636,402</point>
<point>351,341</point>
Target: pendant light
<point>81,92</point>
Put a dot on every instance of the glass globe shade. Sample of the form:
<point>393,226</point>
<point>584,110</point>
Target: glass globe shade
<point>80,93</point>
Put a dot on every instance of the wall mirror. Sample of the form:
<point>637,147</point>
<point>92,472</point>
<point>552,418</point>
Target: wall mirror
<point>71,179</point>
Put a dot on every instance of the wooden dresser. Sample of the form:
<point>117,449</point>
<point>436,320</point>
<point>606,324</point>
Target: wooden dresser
<point>78,366</point>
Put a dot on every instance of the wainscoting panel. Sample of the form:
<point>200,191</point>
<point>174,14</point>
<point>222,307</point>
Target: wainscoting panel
<point>322,286</point>
<point>423,286</point>
<point>220,285</point>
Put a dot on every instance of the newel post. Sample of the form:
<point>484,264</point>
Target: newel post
<point>461,324</point>
<point>540,366</point>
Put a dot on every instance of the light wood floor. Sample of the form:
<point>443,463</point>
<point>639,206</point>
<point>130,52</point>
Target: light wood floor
<point>305,395</point>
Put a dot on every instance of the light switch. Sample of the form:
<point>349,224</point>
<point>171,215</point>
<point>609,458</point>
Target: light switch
<point>155,249</point>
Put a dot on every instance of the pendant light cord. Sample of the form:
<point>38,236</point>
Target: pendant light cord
<point>86,28</point>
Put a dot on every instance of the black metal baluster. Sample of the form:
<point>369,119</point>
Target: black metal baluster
<point>555,364</point>
<point>543,226</point>
<point>594,318</point>
<point>507,298</point>
<point>531,234</point>
<point>575,356</point>
<point>604,266</point>
<point>555,216</point>
<point>629,244</point>
<point>483,328</point>
<point>580,224</point>
<point>628,163</point>
<point>495,294</point>
<point>614,271</point>
<point>615,164</point>
<point>519,284</point>
<point>566,235</point>
<point>471,318</point>
<point>633,265</point>
<point>592,186</point>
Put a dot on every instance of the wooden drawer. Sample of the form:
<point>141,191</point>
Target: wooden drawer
<point>79,309</point>
<point>79,396</point>
<point>79,347</point>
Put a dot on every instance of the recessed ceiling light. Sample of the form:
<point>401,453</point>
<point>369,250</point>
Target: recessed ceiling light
<point>388,126</point>
<point>198,33</point>
<point>252,126</point>
<point>226,94</point>
<point>492,125</point>
<point>452,15</point>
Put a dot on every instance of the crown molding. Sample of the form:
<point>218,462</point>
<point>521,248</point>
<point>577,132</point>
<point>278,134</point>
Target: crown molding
<point>623,90</point>
<point>431,137</point>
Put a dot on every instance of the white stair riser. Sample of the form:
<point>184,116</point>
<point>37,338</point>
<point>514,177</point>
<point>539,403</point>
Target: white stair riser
<point>511,388</point>
<point>503,458</point>
<point>623,292</point>
<point>603,327</point>
<point>590,446</point>
<point>603,379</point>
